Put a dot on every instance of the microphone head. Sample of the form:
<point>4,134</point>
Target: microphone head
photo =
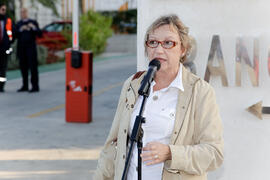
<point>156,63</point>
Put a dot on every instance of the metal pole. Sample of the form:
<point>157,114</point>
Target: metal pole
<point>75,25</point>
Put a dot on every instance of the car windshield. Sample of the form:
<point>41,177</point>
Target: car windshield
<point>54,27</point>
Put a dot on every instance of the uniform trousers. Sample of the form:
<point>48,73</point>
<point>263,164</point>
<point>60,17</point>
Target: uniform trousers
<point>3,69</point>
<point>28,61</point>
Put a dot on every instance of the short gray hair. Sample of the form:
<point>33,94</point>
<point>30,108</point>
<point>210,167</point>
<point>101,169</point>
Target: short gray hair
<point>175,22</point>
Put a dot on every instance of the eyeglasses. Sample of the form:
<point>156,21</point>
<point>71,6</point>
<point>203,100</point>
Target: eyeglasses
<point>165,44</point>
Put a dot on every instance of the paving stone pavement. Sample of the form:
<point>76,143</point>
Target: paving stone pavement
<point>37,143</point>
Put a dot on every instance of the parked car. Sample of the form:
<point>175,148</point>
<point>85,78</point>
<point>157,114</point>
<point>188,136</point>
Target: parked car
<point>52,36</point>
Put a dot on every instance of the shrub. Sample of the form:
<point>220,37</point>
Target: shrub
<point>94,29</point>
<point>13,61</point>
<point>42,54</point>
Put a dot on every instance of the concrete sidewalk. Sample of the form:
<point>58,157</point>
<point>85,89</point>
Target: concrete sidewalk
<point>37,143</point>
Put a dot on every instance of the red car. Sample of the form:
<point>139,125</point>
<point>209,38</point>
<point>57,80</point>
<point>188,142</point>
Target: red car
<point>52,36</point>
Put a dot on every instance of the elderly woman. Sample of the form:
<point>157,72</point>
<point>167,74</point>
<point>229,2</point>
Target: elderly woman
<point>183,130</point>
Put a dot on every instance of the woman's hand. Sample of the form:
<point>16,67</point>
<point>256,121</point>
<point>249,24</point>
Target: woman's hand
<point>155,152</point>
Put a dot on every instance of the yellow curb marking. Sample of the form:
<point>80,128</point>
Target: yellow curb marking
<point>25,174</point>
<point>29,174</point>
<point>63,105</point>
<point>50,154</point>
<point>46,111</point>
<point>107,88</point>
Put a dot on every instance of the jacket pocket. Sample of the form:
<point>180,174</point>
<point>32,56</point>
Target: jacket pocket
<point>111,151</point>
<point>185,176</point>
<point>114,144</point>
<point>109,155</point>
<point>181,175</point>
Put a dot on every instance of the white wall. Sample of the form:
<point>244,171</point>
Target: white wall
<point>246,137</point>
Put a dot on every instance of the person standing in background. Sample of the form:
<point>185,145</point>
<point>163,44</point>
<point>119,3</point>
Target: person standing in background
<point>27,30</point>
<point>6,39</point>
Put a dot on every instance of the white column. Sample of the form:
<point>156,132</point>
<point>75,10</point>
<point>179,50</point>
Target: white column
<point>75,25</point>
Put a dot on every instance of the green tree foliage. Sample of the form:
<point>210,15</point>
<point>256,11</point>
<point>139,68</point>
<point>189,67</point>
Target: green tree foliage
<point>95,29</point>
<point>51,4</point>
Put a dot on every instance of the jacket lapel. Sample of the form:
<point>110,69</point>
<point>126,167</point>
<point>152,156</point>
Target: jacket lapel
<point>135,85</point>
<point>184,98</point>
<point>131,98</point>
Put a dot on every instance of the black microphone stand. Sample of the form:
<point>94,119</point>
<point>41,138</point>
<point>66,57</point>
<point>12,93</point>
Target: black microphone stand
<point>136,136</point>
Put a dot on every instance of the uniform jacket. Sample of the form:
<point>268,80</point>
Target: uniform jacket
<point>5,44</point>
<point>196,142</point>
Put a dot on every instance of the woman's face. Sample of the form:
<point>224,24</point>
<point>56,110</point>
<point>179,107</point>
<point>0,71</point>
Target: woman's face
<point>169,58</point>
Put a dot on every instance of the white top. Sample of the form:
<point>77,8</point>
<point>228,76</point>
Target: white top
<point>159,116</point>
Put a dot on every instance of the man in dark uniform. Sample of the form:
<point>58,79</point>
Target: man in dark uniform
<point>26,32</point>
<point>5,41</point>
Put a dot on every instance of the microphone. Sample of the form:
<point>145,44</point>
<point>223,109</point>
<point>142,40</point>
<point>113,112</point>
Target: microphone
<point>154,66</point>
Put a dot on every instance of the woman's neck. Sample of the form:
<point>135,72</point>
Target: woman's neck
<point>164,79</point>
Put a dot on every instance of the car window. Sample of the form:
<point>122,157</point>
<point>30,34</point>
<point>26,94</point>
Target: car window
<point>50,27</point>
<point>54,27</point>
<point>59,27</point>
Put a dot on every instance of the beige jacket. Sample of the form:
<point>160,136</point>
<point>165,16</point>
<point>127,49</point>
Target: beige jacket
<point>196,143</point>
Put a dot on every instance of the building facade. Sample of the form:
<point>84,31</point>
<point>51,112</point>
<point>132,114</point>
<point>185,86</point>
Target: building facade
<point>45,15</point>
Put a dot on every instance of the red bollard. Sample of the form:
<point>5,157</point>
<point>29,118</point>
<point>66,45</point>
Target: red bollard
<point>79,78</point>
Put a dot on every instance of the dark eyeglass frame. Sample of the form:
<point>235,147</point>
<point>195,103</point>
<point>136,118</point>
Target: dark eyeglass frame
<point>161,43</point>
